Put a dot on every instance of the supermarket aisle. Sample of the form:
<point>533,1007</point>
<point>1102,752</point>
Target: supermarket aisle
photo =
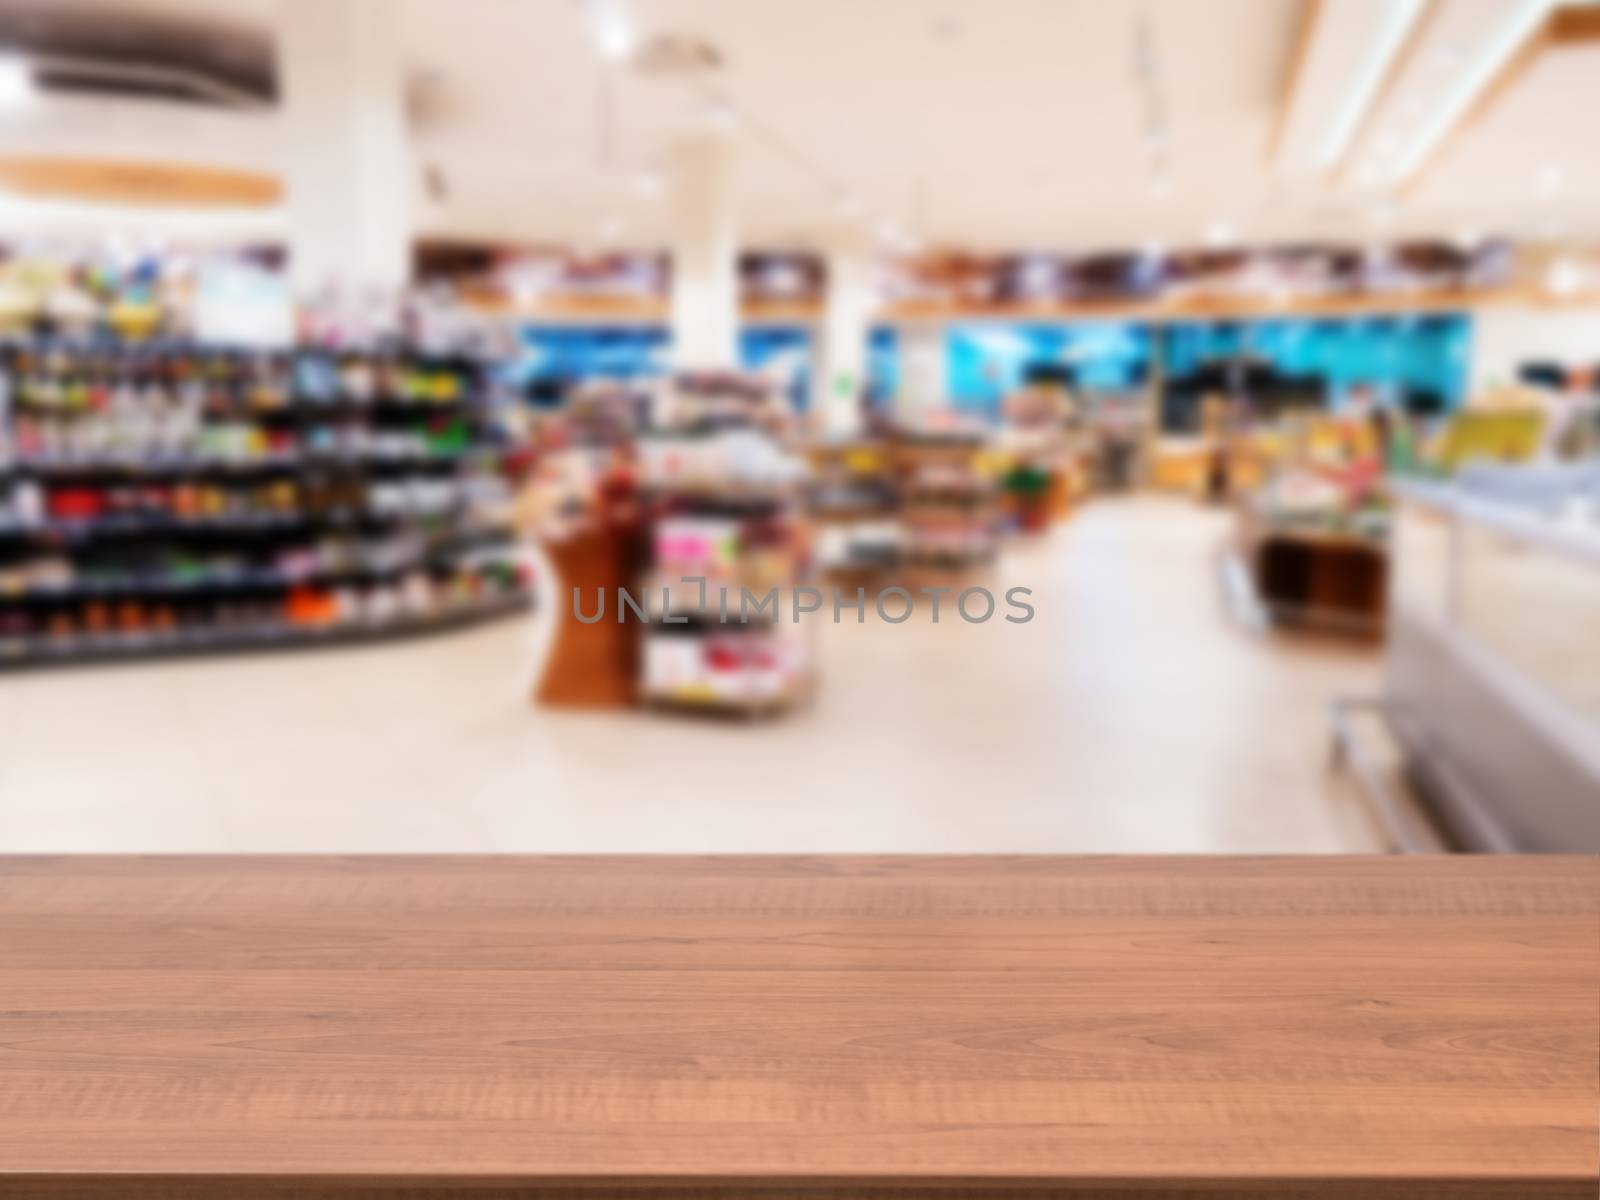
<point>1128,716</point>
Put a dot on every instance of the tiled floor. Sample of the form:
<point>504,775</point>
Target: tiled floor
<point>1130,715</point>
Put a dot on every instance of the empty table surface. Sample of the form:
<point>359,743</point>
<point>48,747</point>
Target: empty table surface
<point>1353,1027</point>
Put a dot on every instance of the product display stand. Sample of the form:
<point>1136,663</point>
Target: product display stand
<point>854,501</point>
<point>949,507</point>
<point>1316,577</point>
<point>724,506</point>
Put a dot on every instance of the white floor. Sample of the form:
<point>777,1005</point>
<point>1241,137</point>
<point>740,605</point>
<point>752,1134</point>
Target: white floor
<point>1130,715</point>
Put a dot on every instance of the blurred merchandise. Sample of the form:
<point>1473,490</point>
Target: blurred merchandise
<point>169,495</point>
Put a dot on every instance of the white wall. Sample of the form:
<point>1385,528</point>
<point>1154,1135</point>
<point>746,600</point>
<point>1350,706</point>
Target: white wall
<point>1505,337</point>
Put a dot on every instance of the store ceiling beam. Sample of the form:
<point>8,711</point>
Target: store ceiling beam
<point>1310,18</point>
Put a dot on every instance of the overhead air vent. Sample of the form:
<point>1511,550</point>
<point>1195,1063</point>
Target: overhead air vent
<point>78,49</point>
<point>141,81</point>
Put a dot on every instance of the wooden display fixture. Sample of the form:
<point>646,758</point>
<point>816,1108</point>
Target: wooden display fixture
<point>1316,577</point>
<point>591,665</point>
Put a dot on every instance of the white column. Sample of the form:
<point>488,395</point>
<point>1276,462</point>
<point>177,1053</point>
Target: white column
<point>348,169</point>
<point>924,370</point>
<point>841,374</point>
<point>705,254</point>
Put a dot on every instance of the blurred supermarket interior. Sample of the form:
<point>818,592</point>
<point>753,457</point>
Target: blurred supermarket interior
<point>354,350</point>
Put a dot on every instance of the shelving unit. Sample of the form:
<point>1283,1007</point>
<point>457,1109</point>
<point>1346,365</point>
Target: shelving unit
<point>175,498</point>
<point>722,503</point>
<point>949,510</point>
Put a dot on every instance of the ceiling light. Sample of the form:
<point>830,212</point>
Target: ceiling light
<point>1526,16</point>
<point>611,29</point>
<point>1401,16</point>
<point>1220,233</point>
<point>1549,180</point>
<point>17,86</point>
<point>1565,277</point>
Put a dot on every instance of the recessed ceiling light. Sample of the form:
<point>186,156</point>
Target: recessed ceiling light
<point>17,87</point>
<point>611,29</point>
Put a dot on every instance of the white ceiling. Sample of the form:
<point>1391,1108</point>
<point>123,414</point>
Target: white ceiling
<point>1009,124</point>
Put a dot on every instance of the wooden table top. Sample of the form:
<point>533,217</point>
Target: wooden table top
<point>1354,1027</point>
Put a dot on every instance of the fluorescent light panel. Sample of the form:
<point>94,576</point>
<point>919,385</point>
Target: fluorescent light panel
<point>17,87</point>
<point>1513,33</point>
<point>1397,23</point>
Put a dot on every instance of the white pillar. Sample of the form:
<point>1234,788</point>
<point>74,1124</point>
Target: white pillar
<point>348,170</point>
<point>841,375</point>
<point>705,255</point>
<point>924,370</point>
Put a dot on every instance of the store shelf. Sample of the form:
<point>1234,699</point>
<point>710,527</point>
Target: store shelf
<point>199,587</point>
<point>234,523</point>
<point>185,487</point>
<point>159,468</point>
<point>24,653</point>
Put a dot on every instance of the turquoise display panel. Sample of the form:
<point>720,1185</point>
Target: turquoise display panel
<point>552,355</point>
<point>1391,355</point>
<point>987,362</point>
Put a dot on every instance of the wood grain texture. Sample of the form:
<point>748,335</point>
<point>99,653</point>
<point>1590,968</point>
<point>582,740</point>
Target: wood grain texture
<point>1155,1027</point>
